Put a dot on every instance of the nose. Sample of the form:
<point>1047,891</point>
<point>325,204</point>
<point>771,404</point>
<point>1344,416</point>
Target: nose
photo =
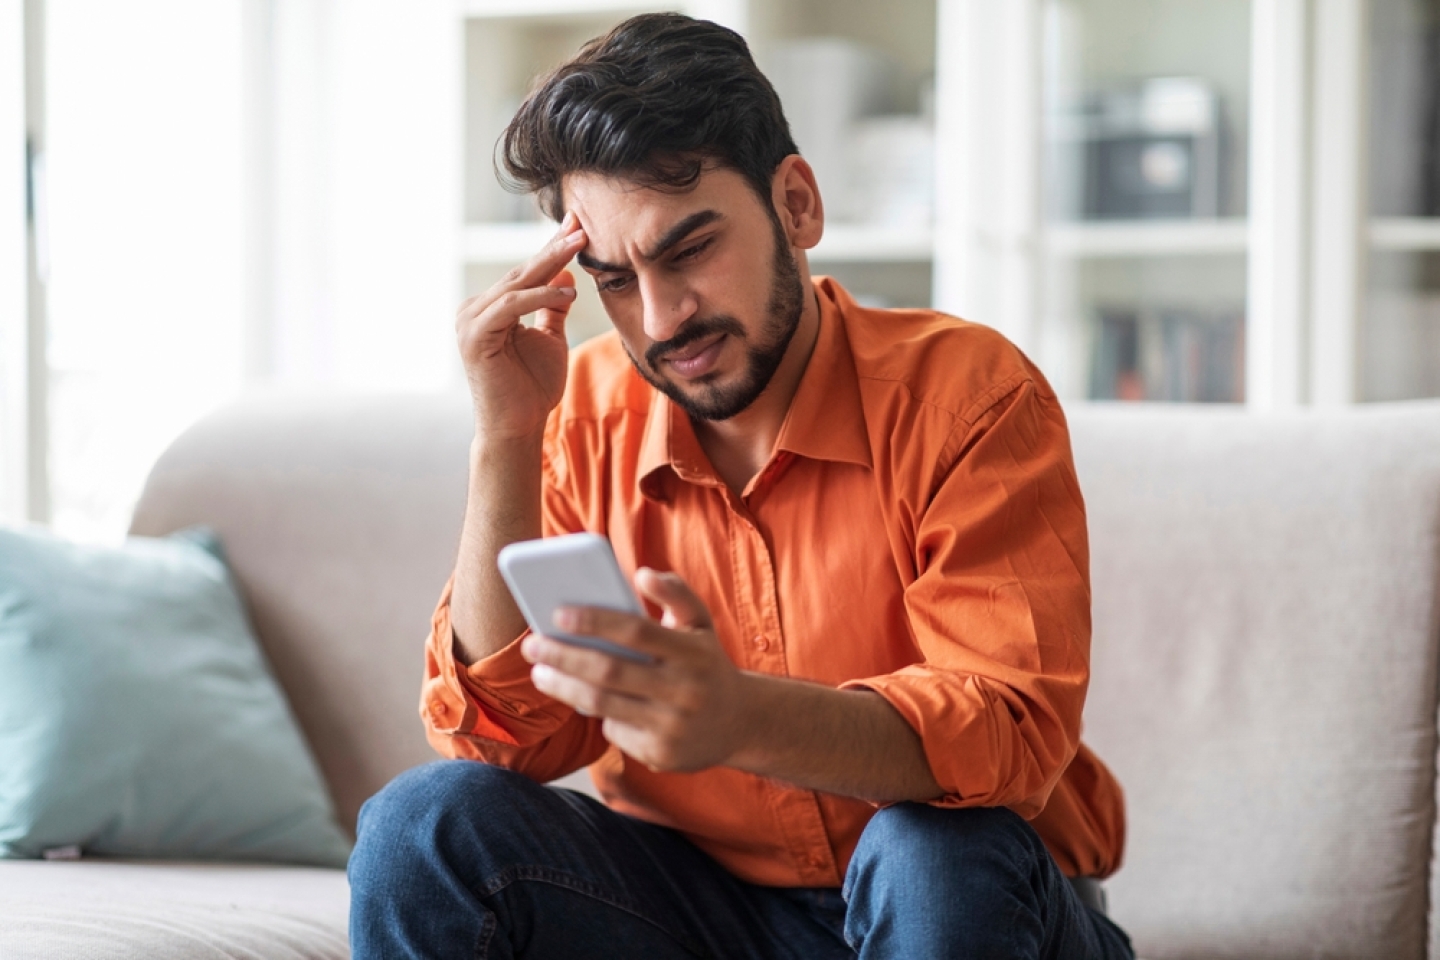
<point>667,303</point>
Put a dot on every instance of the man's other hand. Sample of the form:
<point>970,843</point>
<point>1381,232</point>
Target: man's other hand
<point>517,373</point>
<point>683,712</point>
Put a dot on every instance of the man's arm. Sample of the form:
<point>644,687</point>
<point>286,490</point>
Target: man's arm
<point>477,700</point>
<point>848,742</point>
<point>694,708</point>
<point>503,507</point>
<point>516,376</point>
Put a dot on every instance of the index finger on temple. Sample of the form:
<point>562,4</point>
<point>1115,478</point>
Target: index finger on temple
<point>541,268</point>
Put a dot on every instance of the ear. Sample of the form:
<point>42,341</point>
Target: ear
<point>797,202</point>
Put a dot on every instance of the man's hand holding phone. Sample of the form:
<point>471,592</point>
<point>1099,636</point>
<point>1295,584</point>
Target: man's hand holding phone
<point>684,710</point>
<point>517,373</point>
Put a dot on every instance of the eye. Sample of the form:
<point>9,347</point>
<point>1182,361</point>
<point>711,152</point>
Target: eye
<point>614,285</point>
<point>690,253</point>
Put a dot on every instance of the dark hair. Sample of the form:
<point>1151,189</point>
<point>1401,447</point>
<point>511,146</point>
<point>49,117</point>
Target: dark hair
<point>656,100</point>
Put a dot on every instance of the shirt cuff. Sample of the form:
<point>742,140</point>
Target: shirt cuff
<point>492,698</point>
<point>974,757</point>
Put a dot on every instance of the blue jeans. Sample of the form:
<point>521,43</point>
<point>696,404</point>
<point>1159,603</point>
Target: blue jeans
<point>462,859</point>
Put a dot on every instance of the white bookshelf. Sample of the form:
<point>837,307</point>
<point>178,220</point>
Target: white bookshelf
<point>542,9</point>
<point>1288,249</point>
<point>1148,238</point>
<point>848,243</point>
<point>1414,234</point>
<point>503,244</point>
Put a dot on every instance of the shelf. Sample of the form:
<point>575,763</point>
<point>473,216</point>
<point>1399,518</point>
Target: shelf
<point>1149,238</point>
<point>504,244</point>
<point>1405,233</point>
<point>542,9</point>
<point>850,243</point>
<point>509,243</point>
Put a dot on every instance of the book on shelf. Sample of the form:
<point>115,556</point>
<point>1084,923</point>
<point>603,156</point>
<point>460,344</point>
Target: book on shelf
<point>1168,354</point>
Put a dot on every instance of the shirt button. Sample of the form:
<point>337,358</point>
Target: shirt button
<point>761,643</point>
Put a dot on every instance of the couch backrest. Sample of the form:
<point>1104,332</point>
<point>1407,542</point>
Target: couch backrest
<point>1264,658</point>
<point>1264,673</point>
<point>340,518</point>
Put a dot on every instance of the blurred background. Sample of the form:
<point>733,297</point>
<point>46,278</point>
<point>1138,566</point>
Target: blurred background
<point>1195,201</point>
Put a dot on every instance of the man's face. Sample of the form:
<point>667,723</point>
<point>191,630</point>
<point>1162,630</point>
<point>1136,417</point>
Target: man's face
<point>701,285</point>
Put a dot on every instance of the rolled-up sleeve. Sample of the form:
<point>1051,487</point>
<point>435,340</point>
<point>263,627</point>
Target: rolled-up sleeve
<point>490,710</point>
<point>999,608</point>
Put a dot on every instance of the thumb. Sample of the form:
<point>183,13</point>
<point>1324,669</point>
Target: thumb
<point>551,319</point>
<point>683,610</point>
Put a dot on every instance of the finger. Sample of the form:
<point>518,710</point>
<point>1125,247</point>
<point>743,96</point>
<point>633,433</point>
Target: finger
<point>683,609</point>
<point>547,261</point>
<point>595,667</point>
<point>638,633</point>
<point>631,739</point>
<point>552,319</point>
<point>585,698</point>
<point>507,310</point>
<point>638,741</point>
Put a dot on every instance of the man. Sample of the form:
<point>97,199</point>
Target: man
<point>862,537</point>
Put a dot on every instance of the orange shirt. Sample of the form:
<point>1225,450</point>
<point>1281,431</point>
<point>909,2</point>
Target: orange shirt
<point>918,531</point>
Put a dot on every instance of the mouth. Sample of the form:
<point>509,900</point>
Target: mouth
<point>697,359</point>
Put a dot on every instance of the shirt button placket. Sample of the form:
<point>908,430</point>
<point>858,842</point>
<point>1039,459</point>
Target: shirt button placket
<point>768,641</point>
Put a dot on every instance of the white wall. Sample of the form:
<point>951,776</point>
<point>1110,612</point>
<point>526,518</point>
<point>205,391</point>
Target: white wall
<point>366,153</point>
<point>12,261</point>
<point>245,195</point>
<point>144,200</point>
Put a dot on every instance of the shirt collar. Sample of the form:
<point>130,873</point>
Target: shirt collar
<point>826,420</point>
<point>827,416</point>
<point>670,445</point>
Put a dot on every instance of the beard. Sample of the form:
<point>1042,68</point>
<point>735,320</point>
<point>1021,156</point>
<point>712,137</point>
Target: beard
<point>716,401</point>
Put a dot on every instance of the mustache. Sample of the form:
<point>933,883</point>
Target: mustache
<point>691,332</point>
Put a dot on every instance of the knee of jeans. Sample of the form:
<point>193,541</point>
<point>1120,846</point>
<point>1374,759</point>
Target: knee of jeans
<point>919,841</point>
<point>423,805</point>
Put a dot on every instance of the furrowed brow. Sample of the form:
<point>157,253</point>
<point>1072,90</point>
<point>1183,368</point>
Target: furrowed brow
<point>682,230</point>
<point>669,239</point>
<point>597,266</point>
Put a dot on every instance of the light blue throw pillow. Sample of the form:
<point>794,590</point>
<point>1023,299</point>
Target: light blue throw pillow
<point>138,716</point>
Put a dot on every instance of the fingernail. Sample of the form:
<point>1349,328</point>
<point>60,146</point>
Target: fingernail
<point>567,291</point>
<point>565,618</point>
<point>541,675</point>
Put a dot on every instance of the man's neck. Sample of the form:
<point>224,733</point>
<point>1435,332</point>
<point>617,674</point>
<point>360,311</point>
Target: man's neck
<point>740,447</point>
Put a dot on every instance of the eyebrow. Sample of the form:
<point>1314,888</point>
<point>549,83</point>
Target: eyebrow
<point>670,238</point>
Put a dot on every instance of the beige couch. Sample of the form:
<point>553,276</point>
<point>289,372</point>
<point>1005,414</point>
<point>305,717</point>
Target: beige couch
<point>1267,605</point>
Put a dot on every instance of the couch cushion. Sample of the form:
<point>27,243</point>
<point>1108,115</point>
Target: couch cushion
<point>119,910</point>
<point>340,519</point>
<point>1264,673</point>
<point>137,717</point>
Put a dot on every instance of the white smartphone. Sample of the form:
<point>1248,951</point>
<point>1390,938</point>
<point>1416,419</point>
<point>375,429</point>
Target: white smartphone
<point>577,569</point>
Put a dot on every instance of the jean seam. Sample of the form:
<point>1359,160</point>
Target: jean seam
<point>586,888</point>
<point>487,933</point>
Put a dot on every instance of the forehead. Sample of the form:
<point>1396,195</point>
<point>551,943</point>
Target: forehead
<point>619,211</point>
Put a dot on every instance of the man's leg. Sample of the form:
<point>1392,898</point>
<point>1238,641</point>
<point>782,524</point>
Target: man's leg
<point>462,859</point>
<point>975,883</point>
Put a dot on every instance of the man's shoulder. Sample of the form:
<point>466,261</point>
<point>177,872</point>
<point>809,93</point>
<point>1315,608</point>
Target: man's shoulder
<point>935,359</point>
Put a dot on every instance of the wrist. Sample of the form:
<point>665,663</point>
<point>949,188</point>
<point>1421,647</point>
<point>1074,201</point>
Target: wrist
<point>486,446</point>
<point>752,714</point>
